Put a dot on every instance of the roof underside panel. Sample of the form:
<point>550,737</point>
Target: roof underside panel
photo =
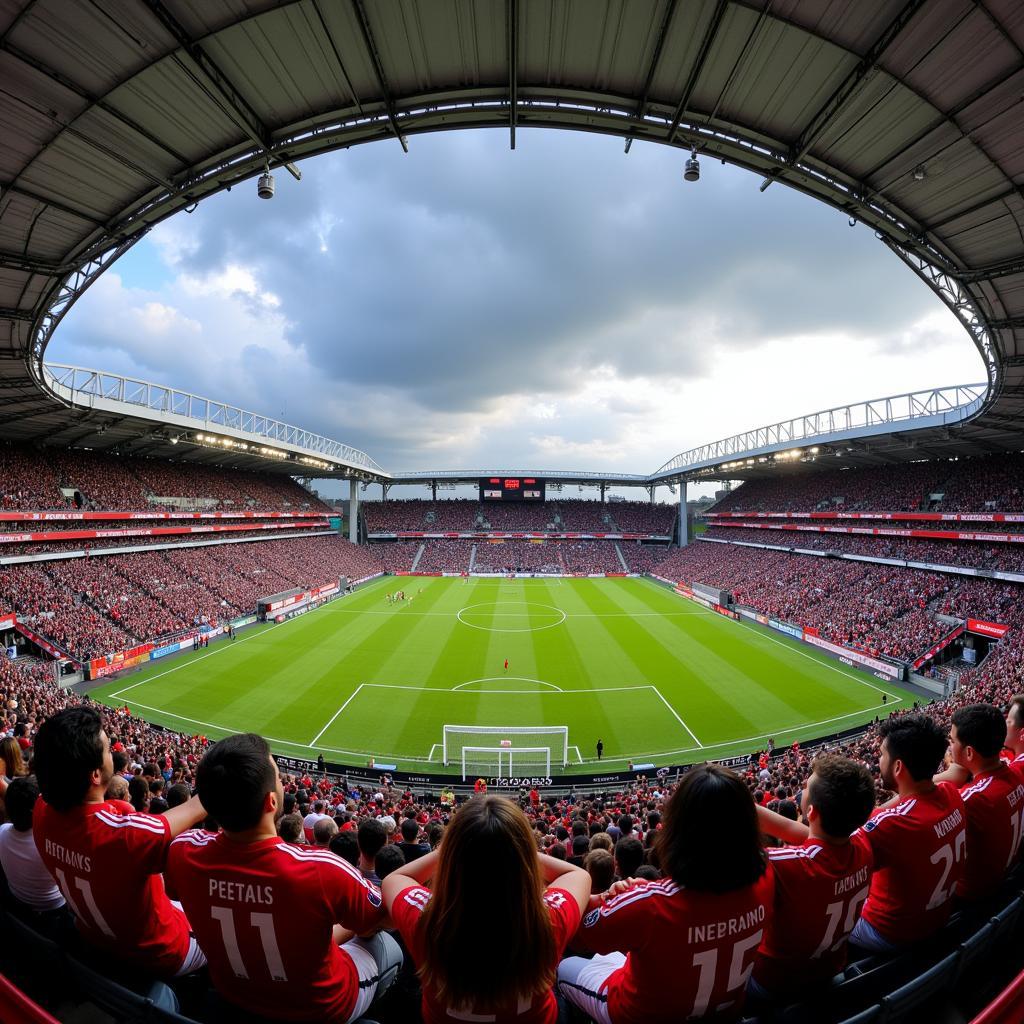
<point>905,114</point>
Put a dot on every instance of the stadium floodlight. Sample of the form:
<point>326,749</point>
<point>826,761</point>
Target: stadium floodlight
<point>265,185</point>
<point>692,170</point>
<point>919,172</point>
<point>852,222</point>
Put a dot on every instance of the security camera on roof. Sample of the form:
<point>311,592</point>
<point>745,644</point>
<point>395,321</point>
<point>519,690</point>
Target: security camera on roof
<point>265,185</point>
<point>692,170</point>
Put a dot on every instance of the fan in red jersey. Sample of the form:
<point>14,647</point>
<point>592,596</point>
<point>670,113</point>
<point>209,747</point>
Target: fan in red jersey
<point>1014,741</point>
<point>820,883</point>
<point>993,798</point>
<point>272,917</point>
<point>683,947</point>
<point>487,879</point>
<point>106,863</point>
<point>918,838</point>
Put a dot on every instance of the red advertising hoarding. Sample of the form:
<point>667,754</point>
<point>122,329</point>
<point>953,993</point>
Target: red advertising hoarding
<point>992,629</point>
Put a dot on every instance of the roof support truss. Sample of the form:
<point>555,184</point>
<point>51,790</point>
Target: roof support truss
<point>512,30</point>
<point>853,81</point>
<point>378,68</point>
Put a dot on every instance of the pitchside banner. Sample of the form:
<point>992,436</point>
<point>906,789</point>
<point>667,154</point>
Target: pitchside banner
<point>154,531</point>
<point>915,517</point>
<point>58,517</point>
<point>873,664</point>
<point>881,531</point>
<point>117,662</point>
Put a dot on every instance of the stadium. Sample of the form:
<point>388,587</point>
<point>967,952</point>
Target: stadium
<point>585,642</point>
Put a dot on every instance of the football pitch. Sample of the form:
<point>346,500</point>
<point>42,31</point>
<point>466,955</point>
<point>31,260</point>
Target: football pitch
<point>627,661</point>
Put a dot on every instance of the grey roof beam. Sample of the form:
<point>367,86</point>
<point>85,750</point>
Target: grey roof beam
<point>698,65</point>
<point>1014,266</point>
<point>20,190</point>
<point>1010,323</point>
<point>512,30</point>
<point>27,315</point>
<point>849,86</point>
<point>93,101</point>
<point>378,67</point>
<point>17,261</point>
<point>659,44</point>
<point>232,101</point>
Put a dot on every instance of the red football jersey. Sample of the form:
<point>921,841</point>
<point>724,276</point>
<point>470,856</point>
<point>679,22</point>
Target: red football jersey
<point>688,953</point>
<point>819,890</point>
<point>994,801</point>
<point>565,919</point>
<point>919,846</point>
<point>107,864</point>
<point>1017,765</point>
<point>263,914</point>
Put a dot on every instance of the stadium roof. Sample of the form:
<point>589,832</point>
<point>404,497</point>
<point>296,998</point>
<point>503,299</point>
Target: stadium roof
<point>117,114</point>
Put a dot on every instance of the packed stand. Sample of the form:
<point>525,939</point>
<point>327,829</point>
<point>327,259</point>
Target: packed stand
<point>643,517</point>
<point>519,556</point>
<point>991,484</point>
<point>612,870</point>
<point>33,479</point>
<point>590,556</point>
<point>879,609</point>
<point>445,556</point>
<point>93,606</point>
<point>998,556</point>
<point>398,556</point>
<point>642,558</point>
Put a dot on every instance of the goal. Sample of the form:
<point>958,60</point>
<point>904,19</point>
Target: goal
<point>515,738</point>
<point>506,762</point>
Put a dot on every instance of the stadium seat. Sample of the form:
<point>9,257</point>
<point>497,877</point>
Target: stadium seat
<point>123,1004</point>
<point>871,1015</point>
<point>973,951</point>
<point>937,980</point>
<point>1007,920</point>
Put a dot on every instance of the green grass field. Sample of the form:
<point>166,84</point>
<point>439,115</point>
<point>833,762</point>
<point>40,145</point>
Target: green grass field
<point>654,676</point>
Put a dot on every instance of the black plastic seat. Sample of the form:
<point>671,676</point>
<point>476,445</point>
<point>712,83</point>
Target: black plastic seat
<point>922,990</point>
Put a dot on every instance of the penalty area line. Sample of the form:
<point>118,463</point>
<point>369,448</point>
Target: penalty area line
<point>351,697</point>
<point>677,718</point>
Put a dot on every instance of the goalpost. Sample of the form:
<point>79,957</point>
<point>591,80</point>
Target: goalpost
<point>506,762</point>
<point>519,739</point>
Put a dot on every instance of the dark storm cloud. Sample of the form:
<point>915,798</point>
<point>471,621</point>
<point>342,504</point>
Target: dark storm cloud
<point>463,271</point>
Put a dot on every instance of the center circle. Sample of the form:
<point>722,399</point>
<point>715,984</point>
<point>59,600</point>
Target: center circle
<point>510,616</point>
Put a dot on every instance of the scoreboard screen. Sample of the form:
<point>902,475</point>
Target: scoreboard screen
<point>511,488</point>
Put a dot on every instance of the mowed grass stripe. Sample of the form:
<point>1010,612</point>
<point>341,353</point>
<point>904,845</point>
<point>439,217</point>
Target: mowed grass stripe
<point>730,683</point>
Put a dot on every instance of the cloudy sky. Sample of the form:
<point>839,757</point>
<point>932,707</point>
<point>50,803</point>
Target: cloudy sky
<point>563,306</point>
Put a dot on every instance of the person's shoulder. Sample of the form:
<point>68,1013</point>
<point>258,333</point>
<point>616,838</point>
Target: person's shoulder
<point>196,838</point>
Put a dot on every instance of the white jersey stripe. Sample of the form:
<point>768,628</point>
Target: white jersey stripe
<point>130,821</point>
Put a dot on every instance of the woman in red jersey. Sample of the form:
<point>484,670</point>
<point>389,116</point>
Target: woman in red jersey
<point>682,947</point>
<point>486,937</point>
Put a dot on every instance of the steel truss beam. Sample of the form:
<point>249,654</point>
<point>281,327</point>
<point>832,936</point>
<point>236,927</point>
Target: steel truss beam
<point>853,81</point>
<point>953,293</point>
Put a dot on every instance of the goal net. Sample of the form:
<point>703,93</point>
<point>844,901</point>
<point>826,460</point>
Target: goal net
<point>506,762</point>
<point>517,738</point>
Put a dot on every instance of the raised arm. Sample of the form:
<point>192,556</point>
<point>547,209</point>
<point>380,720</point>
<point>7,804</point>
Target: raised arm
<point>781,827</point>
<point>419,871</point>
<point>185,816</point>
<point>560,874</point>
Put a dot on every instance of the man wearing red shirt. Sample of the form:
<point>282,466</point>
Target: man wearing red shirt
<point>107,863</point>
<point>1014,742</point>
<point>820,883</point>
<point>277,921</point>
<point>918,839</point>
<point>993,798</point>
